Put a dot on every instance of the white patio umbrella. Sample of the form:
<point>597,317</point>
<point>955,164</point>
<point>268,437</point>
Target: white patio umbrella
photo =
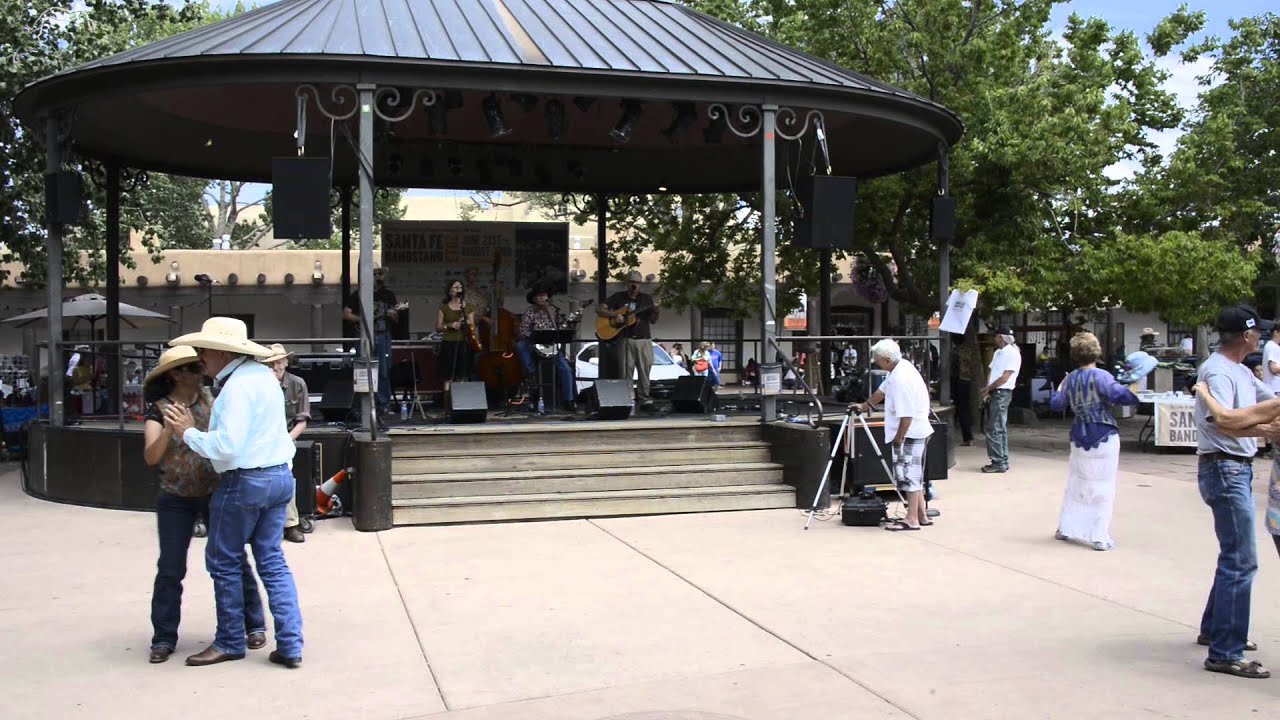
<point>92,307</point>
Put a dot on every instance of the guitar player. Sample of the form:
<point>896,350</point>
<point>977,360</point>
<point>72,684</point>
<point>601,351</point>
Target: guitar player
<point>634,345</point>
<point>385,315</point>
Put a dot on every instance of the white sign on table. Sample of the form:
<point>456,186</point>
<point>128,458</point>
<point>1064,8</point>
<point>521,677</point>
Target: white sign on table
<point>1175,422</point>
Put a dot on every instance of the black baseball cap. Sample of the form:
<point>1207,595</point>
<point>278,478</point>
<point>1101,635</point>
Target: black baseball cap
<point>1004,330</point>
<point>1241,318</point>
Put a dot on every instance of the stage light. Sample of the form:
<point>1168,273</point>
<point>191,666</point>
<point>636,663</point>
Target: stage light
<point>631,110</point>
<point>576,170</point>
<point>554,110</point>
<point>394,163</point>
<point>714,132</point>
<point>493,116</point>
<point>526,102</point>
<point>686,116</point>
<point>455,166</point>
<point>584,103</point>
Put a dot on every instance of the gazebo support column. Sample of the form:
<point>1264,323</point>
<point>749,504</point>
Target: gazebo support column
<point>768,269</point>
<point>365,166</point>
<point>944,281</point>
<point>113,287</point>
<point>53,164</point>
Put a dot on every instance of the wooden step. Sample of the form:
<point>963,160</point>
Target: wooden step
<point>658,501</point>
<point>566,437</point>
<point>511,459</point>
<point>547,482</point>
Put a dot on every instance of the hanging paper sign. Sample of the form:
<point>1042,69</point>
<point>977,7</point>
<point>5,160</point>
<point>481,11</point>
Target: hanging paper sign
<point>960,307</point>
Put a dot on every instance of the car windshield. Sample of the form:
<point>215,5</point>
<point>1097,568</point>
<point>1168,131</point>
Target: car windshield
<point>660,356</point>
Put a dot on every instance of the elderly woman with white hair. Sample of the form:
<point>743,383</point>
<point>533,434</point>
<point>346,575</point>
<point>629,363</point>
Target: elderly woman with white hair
<point>906,427</point>
<point>1095,445</point>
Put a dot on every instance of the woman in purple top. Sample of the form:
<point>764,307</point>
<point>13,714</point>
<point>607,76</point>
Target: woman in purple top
<point>1095,445</point>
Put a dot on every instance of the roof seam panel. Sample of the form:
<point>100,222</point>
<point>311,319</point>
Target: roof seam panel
<point>532,24</point>
<point>613,20</point>
<point>626,9</point>
<point>282,43</point>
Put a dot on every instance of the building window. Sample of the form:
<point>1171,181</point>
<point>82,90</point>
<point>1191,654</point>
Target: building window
<point>719,327</point>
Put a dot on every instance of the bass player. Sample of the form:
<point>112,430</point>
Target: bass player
<point>635,311</point>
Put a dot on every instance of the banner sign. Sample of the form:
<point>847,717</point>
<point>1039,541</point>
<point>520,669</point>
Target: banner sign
<point>1176,424</point>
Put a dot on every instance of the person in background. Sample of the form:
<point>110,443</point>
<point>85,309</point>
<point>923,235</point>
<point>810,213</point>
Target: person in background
<point>186,482</point>
<point>966,365</point>
<point>998,392</point>
<point>297,412</point>
<point>1225,477</point>
<point>1090,496</point>
<point>386,313</point>
<point>1148,339</point>
<point>751,374</point>
<point>636,341</point>
<point>1271,361</point>
<point>541,315</point>
<point>678,356</point>
<point>906,427</point>
<point>1187,346</point>
<point>454,362</point>
<point>714,357</point>
<point>701,361</point>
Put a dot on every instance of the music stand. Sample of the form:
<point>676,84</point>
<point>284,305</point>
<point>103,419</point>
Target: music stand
<point>557,338</point>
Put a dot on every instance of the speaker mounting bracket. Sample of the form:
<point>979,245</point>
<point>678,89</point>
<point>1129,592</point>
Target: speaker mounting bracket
<point>748,121</point>
<point>344,101</point>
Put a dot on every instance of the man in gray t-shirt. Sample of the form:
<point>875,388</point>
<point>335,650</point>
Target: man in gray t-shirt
<point>1225,476</point>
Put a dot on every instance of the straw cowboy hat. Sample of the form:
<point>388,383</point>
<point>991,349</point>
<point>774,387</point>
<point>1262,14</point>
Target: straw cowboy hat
<point>277,353</point>
<point>1150,331</point>
<point>172,358</point>
<point>223,333</point>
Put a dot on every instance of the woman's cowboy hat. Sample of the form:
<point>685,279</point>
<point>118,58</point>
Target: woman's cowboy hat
<point>222,333</point>
<point>172,358</point>
<point>277,353</point>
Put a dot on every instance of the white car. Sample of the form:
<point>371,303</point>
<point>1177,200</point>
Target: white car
<point>662,376</point>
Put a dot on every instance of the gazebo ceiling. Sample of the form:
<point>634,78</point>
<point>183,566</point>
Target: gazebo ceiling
<point>221,101</point>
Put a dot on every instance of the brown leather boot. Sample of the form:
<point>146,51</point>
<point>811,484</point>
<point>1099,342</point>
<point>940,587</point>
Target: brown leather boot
<point>211,656</point>
<point>294,535</point>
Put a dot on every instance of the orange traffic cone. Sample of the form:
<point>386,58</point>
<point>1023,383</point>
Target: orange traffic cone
<point>325,494</point>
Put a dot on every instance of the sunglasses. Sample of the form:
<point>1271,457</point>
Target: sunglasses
<point>193,368</point>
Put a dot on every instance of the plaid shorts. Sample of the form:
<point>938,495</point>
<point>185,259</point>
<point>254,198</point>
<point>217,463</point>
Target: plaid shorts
<point>908,465</point>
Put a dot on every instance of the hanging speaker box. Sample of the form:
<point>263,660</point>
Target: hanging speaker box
<point>828,203</point>
<point>300,198</point>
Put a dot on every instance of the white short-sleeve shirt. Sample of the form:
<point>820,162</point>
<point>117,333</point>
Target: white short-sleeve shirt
<point>1270,354</point>
<point>1008,357</point>
<point>906,395</point>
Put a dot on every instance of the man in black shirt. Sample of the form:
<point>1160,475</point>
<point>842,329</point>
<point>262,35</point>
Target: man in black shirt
<point>385,313</point>
<point>634,343</point>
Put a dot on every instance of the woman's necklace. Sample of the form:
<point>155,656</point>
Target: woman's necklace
<point>195,397</point>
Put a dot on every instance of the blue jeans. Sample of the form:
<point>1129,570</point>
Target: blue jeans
<point>1227,488</point>
<point>564,375</point>
<point>382,353</point>
<point>249,507</point>
<point>998,428</point>
<point>175,518</point>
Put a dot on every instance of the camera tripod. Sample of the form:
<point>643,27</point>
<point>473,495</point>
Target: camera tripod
<point>849,414</point>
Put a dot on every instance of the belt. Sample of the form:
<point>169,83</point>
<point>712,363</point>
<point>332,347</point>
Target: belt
<point>1216,456</point>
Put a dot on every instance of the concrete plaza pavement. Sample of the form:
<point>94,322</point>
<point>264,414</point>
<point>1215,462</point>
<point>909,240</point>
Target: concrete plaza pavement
<point>688,617</point>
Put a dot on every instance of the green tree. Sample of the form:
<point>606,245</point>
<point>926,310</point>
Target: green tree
<point>388,205</point>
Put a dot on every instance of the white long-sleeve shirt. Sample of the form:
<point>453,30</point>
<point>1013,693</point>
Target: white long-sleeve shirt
<point>247,427</point>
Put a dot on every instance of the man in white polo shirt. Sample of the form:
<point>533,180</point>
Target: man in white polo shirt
<point>906,428</point>
<point>1003,375</point>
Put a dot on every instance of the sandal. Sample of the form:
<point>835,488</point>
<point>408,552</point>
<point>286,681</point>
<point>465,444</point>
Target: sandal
<point>1239,668</point>
<point>899,527</point>
<point>1205,640</point>
<point>924,524</point>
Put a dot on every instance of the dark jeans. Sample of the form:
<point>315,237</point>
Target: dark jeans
<point>564,375</point>
<point>1227,488</point>
<point>998,428</point>
<point>175,516</point>
<point>960,390</point>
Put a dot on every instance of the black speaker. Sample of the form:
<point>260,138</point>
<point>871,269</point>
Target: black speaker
<point>693,395</point>
<point>339,393</point>
<point>611,399</point>
<point>307,475</point>
<point>468,403</point>
<point>300,198</point>
<point>64,198</point>
<point>827,202</point>
<point>942,221</point>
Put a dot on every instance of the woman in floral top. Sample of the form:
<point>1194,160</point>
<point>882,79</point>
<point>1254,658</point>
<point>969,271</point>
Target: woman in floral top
<point>186,483</point>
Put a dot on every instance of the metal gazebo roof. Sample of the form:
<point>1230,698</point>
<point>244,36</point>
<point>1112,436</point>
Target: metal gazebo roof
<point>220,101</point>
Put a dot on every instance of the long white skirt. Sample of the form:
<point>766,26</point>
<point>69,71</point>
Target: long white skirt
<point>1091,492</point>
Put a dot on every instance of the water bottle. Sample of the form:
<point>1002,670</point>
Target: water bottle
<point>404,410</point>
<point>541,408</point>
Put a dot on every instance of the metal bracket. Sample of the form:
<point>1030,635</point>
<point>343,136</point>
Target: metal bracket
<point>749,120</point>
<point>341,95</point>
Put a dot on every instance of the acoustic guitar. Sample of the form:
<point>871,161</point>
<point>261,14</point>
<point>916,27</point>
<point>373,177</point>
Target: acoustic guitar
<point>608,328</point>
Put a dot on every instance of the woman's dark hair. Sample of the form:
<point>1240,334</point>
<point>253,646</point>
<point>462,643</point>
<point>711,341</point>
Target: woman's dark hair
<point>158,388</point>
<point>447,288</point>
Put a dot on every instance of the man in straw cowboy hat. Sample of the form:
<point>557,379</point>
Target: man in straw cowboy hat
<point>248,443</point>
<point>297,413</point>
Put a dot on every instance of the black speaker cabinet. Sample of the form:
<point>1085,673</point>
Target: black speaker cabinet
<point>300,198</point>
<point>693,395</point>
<point>866,470</point>
<point>339,394</point>
<point>307,474</point>
<point>468,403</point>
<point>942,221</point>
<point>611,399</point>
<point>64,198</point>
<point>828,203</point>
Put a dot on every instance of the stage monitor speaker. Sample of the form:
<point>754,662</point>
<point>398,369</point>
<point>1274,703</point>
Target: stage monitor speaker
<point>828,202</point>
<point>611,399</point>
<point>64,198</point>
<point>468,403</point>
<point>307,475</point>
<point>300,198</point>
<point>942,220</point>
<point>693,395</point>
<point>339,394</point>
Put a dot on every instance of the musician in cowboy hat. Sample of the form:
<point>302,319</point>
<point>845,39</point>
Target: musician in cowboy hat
<point>541,315</point>
<point>249,445</point>
<point>297,413</point>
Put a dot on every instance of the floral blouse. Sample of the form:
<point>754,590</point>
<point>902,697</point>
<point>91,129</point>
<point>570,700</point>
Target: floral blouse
<point>182,471</point>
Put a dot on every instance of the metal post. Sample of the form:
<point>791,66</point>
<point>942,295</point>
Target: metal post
<point>346,243</point>
<point>364,163</point>
<point>768,270</point>
<point>113,289</point>
<point>53,164</point>
<point>944,282</point>
<point>602,252</point>
<point>824,319</point>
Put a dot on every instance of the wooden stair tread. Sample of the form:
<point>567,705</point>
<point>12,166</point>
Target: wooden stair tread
<point>584,472</point>
<point>775,489</point>
<point>412,452</point>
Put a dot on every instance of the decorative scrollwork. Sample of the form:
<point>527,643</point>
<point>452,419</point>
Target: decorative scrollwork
<point>749,119</point>
<point>788,120</point>
<point>338,96</point>
<point>390,97</point>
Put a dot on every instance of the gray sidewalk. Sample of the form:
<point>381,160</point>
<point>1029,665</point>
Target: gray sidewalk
<point>694,617</point>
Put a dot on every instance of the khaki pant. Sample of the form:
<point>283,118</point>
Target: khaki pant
<point>637,360</point>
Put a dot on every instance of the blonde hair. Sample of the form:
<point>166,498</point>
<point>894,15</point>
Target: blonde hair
<point>704,346</point>
<point>1085,348</point>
